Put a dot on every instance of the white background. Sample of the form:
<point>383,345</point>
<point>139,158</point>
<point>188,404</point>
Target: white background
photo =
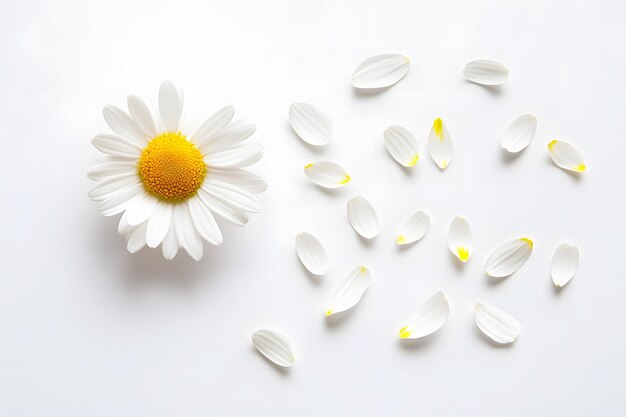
<point>88,330</point>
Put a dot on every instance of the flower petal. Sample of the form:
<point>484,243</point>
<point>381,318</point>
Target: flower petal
<point>108,187</point>
<point>428,318</point>
<point>137,239</point>
<point>213,125</point>
<point>159,224</point>
<point>123,228</point>
<point>122,124</point>
<point>415,227</point>
<point>170,244</point>
<point>204,222</point>
<point>486,72</point>
<point>348,292</point>
<point>121,201</point>
<point>509,257</point>
<point>141,210</point>
<point>402,145</point>
<point>311,253</point>
<point>326,174</point>
<point>496,324</point>
<point>241,178</point>
<point>170,106</point>
<point>566,156</point>
<point>116,146</point>
<point>564,264</point>
<point>380,71</point>
<point>232,195</point>
<point>313,126</point>
<point>238,156</point>
<point>440,144</point>
<point>107,169</point>
<point>140,113</point>
<point>518,135</point>
<point>363,217</point>
<point>227,138</point>
<point>235,216</point>
<point>460,239</point>
<point>186,234</point>
<point>274,346</point>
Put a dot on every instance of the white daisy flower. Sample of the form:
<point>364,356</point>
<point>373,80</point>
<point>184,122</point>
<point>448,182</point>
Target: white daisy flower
<point>169,183</point>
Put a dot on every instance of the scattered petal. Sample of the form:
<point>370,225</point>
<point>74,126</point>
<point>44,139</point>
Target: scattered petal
<point>564,264</point>
<point>486,72</point>
<point>363,217</point>
<point>348,292</point>
<point>460,240</point>
<point>414,228</point>
<point>428,318</point>
<point>440,144</point>
<point>274,346</point>
<point>380,71</point>
<point>327,174</point>
<point>518,135</point>
<point>509,257</point>
<point>313,126</point>
<point>566,156</point>
<point>311,253</point>
<point>496,324</point>
<point>402,145</point>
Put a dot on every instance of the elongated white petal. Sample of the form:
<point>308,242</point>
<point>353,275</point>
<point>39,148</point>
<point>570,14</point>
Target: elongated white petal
<point>496,324</point>
<point>116,146</point>
<point>460,239</point>
<point>564,264</point>
<point>415,227</point>
<point>238,156</point>
<point>123,125</point>
<point>486,72</point>
<point>232,215</point>
<point>380,71</point>
<point>228,137</point>
<point>518,135</point>
<point>108,187</point>
<point>186,234</point>
<point>170,244</point>
<point>313,126</point>
<point>204,222</point>
<point>326,174</point>
<point>213,125</point>
<point>402,145</point>
<point>232,195</point>
<point>509,257</point>
<point>123,228</point>
<point>159,224</point>
<point>241,178</point>
<point>170,106</point>
<point>274,346</point>
<point>137,239</point>
<point>348,292</point>
<point>311,253</point>
<point>427,318</point>
<point>566,156</point>
<point>141,210</point>
<point>140,113</point>
<point>110,169</point>
<point>121,201</point>
<point>363,217</point>
<point>440,144</point>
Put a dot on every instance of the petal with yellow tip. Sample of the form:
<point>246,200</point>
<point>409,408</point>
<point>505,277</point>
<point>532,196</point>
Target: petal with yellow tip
<point>564,264</point>
<point>274,346</point>
<point>460,239</point>
<point>415,227</point>
<point>310,124</point>
<point>499,326</point>
<point>427,318</point>
<point>440,144</point>
<point>519,134</point>
<point>363,217</point>
<point>566,156</point>
<point>486,72</point>
<point>326,174</point>
<point>380,71</point>
<point>509,257</point>
<point>311,253</point>
<point>402,145</point>
<point>348,292</point>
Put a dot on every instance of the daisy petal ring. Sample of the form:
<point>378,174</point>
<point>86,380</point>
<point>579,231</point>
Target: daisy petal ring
<point>170,184</point>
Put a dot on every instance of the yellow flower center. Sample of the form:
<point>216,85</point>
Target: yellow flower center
<point>171,167</point>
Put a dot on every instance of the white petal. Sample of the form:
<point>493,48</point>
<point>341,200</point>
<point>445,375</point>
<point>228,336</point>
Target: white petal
<point>122,124</point>
<point>116,146</point>
<point>440,144</point>
<point>428,318</point>
<point>123,228</point>
<point>518,135</point>
<point>495,323</point>
<point>140,113</point>
<point>380,71</point>
<point>348,292</point>
<point>228,137</point>
<point>414,228</point>
<point>186,234</point>
<point>241,178</point>
<point>110,169</point>
<point>232,215</point>
<point>509,257</point>
<point>141,210</point>
<point>326,174</point>
<point>460,240</point>
<point>402,145</point>
<point>170,106</point>
<point>363,217</point>
<point>121,201</point>
<point>232,195</point>
<point>159,224</point>
<point>170,243</point>
<point>566,156</point>
<point>564,264</point>
<point>137,239</point>
<point>311,253</point>
<point>313,126</point>
<point>214,124</point>
<point>486,72</point>
<point>238,156</point>
<point>204,222</point>
<point>108,187</point>
<point>274,346</point>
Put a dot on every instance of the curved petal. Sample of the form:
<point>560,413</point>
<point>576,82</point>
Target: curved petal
<point>104,170</point>
<point>402,145</point>
<point>235,216</point>
<point>170,244</point>
<point>141,210</point>
<point>121,201</point>
<point>122,124</point>
<point>363,217</point>
<point>460,239</point>
<point>564,264</point>
<point>116,146</point>
<point>159,224</point>
<point>518,135</point>
<point>566,156</point>
<point>440,144</point>
<point>427,318</point>
<point>123,228</point>
<point>327,174</point>
<point>241,178</point>
<point>238,156</point>
<point>170,106</point>
<point>415,227</point>
<point>380,71</point>
<point>213,125</point>
<point>496,324</point>
<point>142,116</point>
<point>348,292</point>
<point>228,137</point>
<point>108,187</point>
<point>137,239</point>
<point>232,195</point>
<point>509,257</point>
<point>310,124</point>
<point>311,253</point>
<point>486,72</point>
<point>186,234</point>
<point>274,346</point>
<point>204,222</point>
